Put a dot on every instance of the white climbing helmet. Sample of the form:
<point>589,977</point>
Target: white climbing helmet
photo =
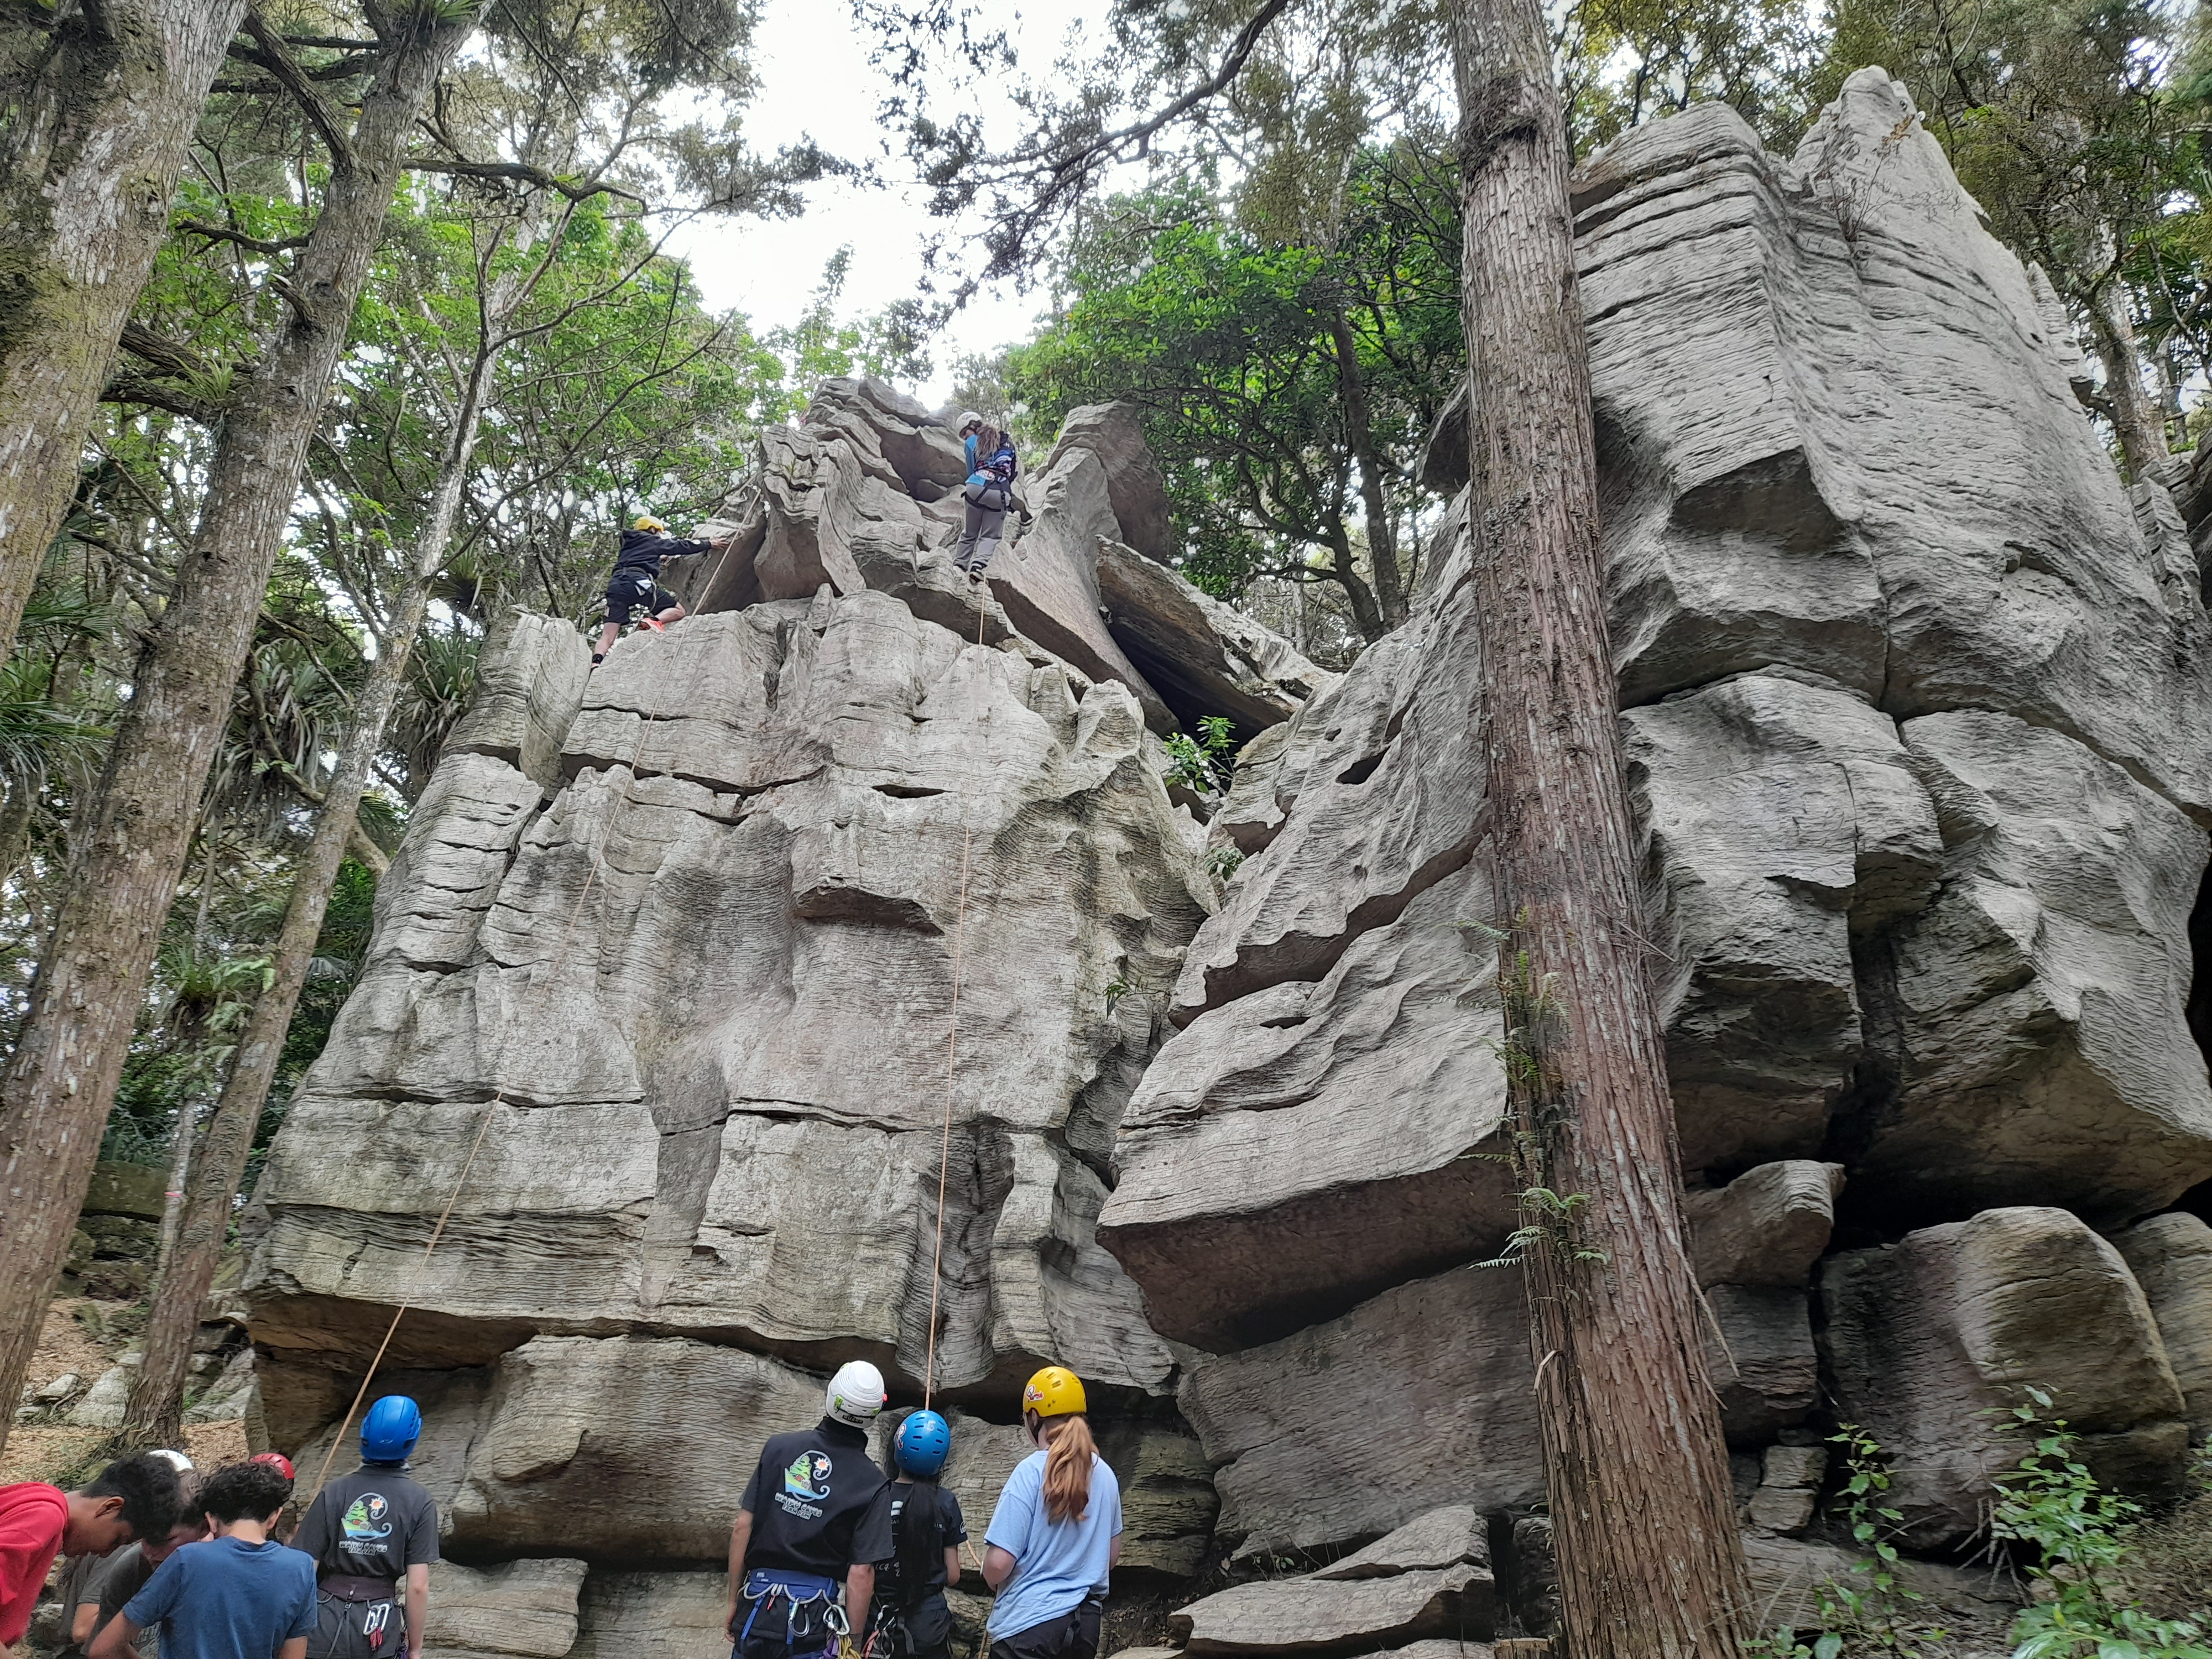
<point>856,1393</point>
<point>175,1460</point>
<point>968,417</point>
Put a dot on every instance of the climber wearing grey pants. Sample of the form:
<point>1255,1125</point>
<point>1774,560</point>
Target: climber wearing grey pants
<point>988,493</point>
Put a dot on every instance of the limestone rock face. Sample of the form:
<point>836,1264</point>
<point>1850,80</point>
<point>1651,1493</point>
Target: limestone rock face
<point>1115,433</point>
<point>621,1001</point>
<point>1205,657</point>
<point>1441,1368</point>
<point>1913,704</point>
<point>2039,1046</point>
<point>525,1608</point>
<point>1931,1342</point>
<point>1911,712</point>
<point>1779,814</point>
<point>1429,1579</point>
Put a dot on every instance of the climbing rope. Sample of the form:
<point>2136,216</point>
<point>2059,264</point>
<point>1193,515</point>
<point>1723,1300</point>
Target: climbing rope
<point>951,1061</point>
<point>499,1098</point>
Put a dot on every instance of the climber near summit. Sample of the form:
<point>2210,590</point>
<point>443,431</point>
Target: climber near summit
<point>373,1534</point>
<point>646,545</point>
<point>926,1530</point>
<point>808,1520</point>
<point>1056,1533</point>
<point>988,492</point>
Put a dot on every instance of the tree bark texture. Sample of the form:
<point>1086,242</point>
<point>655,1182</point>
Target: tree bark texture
<point>99,112</point>
<point>2135,415</point>
<point>62,1079</point>
<point>155,1414</point>
<point>1650,1564</point>
<point>1359,429</point>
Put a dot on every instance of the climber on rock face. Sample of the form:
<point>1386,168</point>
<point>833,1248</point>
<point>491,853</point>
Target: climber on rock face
<point>373,1534</point>
<point>646,545</point>
<point>988,493</point>
<point>1056,1532</point>
<point>926,1530</point>
<point>809,1521</point>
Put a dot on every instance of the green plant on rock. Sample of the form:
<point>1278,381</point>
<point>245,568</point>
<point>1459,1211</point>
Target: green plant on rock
<point>1875,1612</point>
<point>1223,862</point>
<point>2076,1532</point>
<point>1199,763</point>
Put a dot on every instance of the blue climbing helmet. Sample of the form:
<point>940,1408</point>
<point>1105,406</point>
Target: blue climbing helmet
<point>390,1431</point>
<point>924,1441</point>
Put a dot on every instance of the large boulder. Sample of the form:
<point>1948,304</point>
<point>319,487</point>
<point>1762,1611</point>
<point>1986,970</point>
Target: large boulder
<point>1932,1342</point>
<point>1768,1226</point>
<point>1115,433</point>
<point>1258,1153</point>
<point>1349,1429</point>
<point>1204,658</point>
<point>2032,1026</point>
<point>2171,1256</point>
<point>1429,1580</point>
<point>1781,816</point>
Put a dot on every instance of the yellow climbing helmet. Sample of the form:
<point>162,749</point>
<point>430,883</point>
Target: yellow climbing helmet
<point>1055,1391</point>
<point>647,521</point>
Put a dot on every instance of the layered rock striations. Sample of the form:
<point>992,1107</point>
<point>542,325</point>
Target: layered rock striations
<point>662,984</point>
<point>1913,714</point>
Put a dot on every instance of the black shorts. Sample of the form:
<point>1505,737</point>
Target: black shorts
<point>632,588</point>
<point>1073,1635</point>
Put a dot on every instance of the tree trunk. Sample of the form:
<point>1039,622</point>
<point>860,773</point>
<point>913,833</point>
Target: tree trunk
<point>62,1079</point>
<point>1650,1565</point>
<point>2135,411</point>
<point>153,1415</point>
<point>1344,569</point>
<point>96,135</point>
<point>1359,426</point>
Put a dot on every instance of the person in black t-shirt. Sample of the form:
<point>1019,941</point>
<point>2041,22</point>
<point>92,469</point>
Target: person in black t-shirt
<point>645,547</point>
<point>373,1534</point>
<point>807,1523</point>
<point>926,1531</point>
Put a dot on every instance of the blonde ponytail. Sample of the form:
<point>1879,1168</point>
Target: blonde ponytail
<point>1068,1467</point>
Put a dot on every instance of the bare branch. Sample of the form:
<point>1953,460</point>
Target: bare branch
<point>278,59</point>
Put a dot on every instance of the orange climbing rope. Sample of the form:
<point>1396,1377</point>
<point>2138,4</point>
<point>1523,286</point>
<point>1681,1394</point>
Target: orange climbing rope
<point>951,1060</point>
<point>499,1098</point>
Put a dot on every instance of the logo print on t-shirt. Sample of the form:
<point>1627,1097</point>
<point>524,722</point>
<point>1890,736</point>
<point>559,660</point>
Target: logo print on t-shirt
<point>808,1476</point>
<point>367,1519</point>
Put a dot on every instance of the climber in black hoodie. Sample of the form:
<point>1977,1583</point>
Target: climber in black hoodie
<point>636,580</point>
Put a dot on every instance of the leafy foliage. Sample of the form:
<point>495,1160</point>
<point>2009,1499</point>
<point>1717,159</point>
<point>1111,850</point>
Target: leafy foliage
<point>2076,1535</point>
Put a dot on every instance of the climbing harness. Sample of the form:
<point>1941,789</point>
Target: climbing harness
<point>801,1593</point>
<point>492,1106</point>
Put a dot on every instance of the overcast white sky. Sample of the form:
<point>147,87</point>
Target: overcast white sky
<point>816,80</point>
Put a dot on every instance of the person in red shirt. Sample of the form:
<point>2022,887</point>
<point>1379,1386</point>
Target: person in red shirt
<point>133,1497</point>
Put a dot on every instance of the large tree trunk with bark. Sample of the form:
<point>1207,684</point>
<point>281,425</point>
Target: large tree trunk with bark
<point>2136,416</point>
<point>102,100</point>
<point>62,1079</point>
<point>155,1415</point>
<point>1650,1564</point>
<point>1359,429</point>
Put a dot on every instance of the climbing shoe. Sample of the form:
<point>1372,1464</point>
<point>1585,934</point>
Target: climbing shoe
<point>656,624</point>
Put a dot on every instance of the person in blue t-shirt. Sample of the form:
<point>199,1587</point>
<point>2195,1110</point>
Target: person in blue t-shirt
<point>238,1596</point>
<point>1055,1534</point>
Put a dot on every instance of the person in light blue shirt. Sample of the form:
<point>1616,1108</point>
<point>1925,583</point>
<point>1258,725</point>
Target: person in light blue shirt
<point>1055,1534</point>
<point>236,1596</point>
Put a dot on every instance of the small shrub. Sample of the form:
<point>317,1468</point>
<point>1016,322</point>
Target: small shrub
<point>2077,1535</point>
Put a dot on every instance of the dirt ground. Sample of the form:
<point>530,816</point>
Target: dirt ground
<point>85,1336</point>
